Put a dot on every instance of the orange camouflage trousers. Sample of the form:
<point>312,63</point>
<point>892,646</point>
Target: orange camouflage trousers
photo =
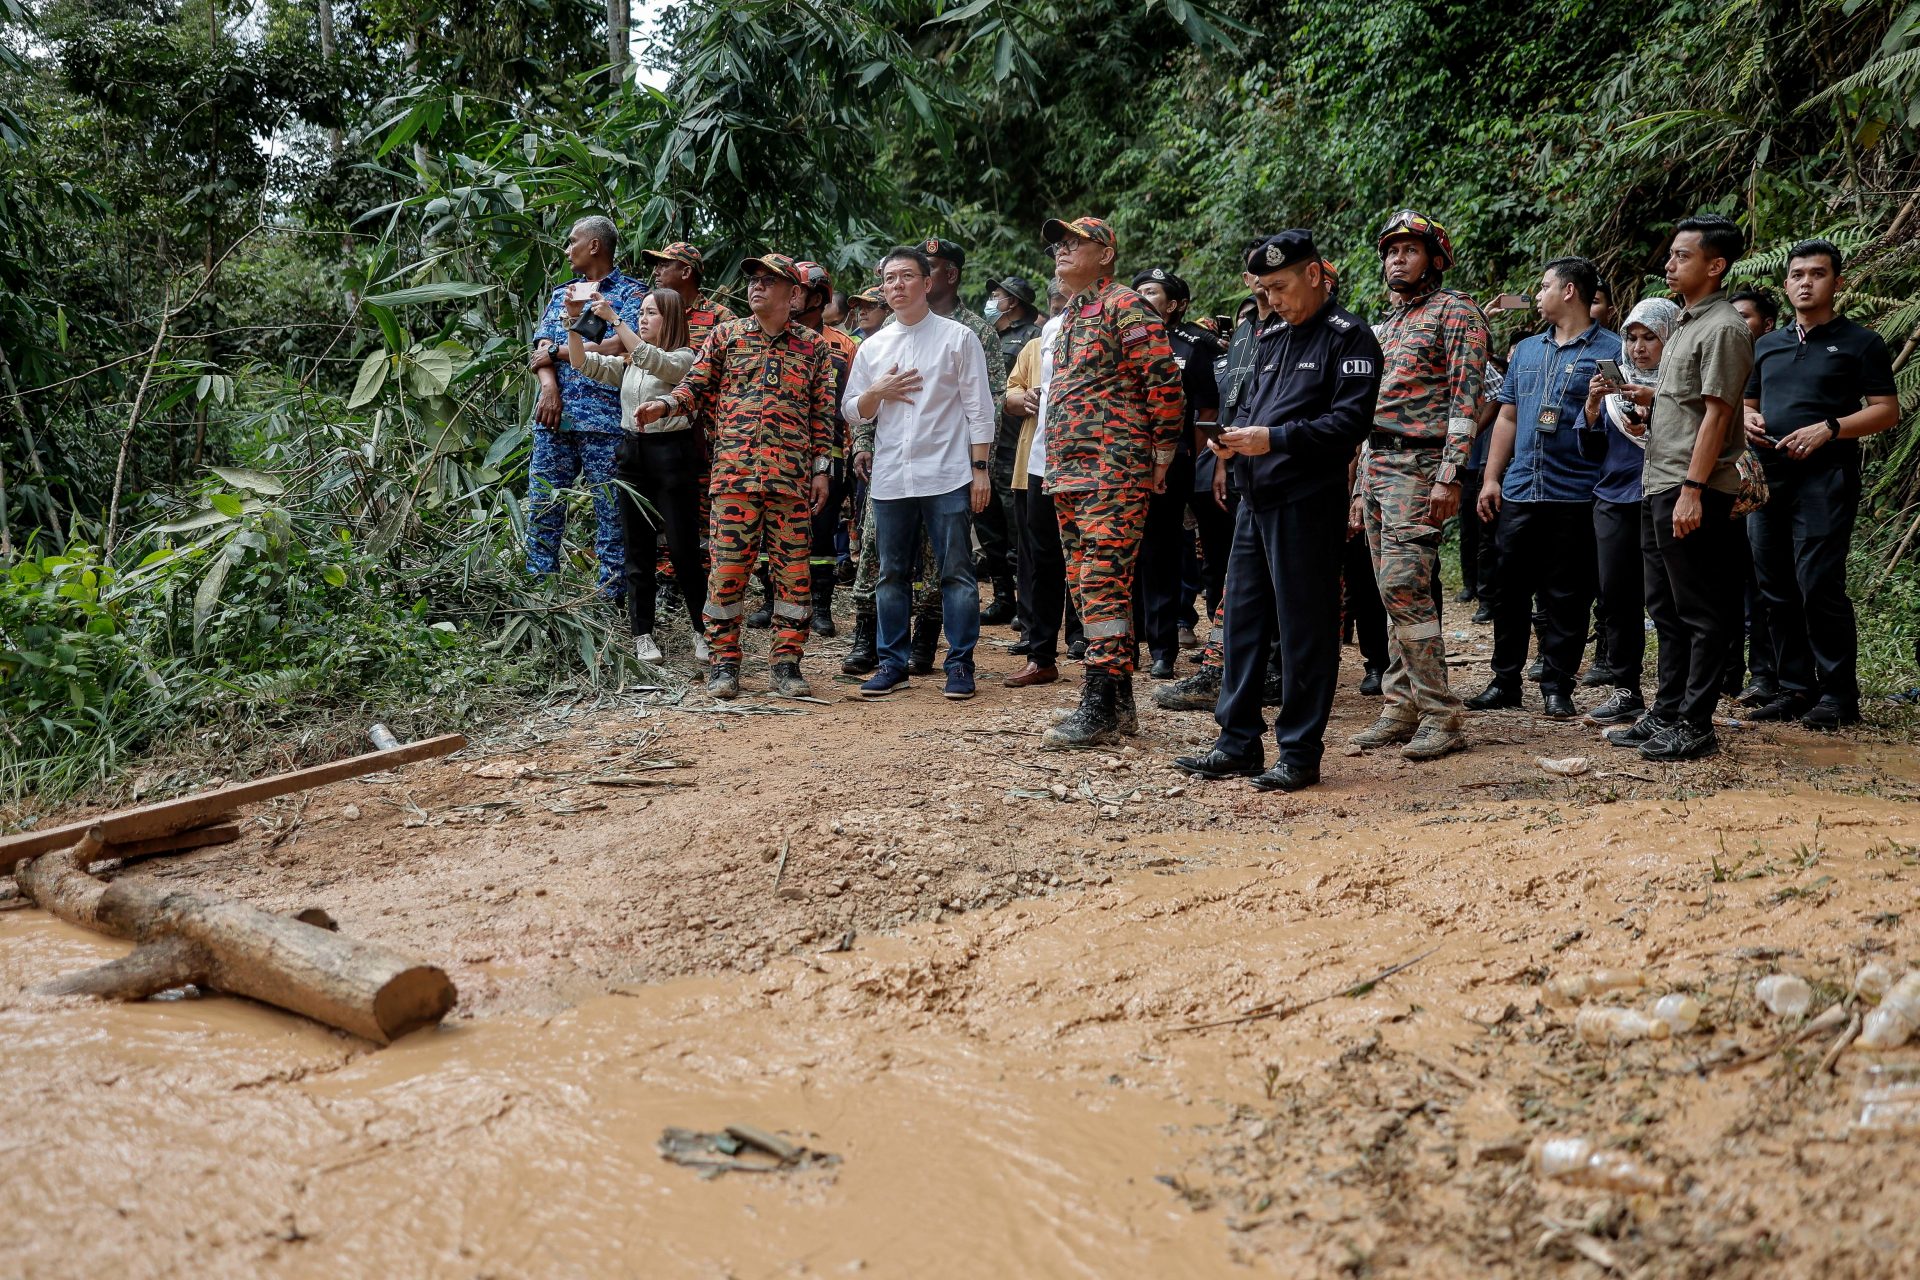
<point>1100,532</point>
<point>741,528</point>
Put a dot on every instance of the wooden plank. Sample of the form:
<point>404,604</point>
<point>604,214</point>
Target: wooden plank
<point>197,838</point>
<point>169,817</point>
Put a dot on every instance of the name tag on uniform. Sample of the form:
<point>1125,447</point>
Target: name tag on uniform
<point>1308,364</point>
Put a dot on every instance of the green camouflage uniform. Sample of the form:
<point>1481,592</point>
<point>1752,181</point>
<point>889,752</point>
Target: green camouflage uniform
<point>1436,353</point>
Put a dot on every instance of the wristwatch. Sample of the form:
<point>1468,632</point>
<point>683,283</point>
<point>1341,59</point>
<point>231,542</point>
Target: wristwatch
<point>1833,425</point>
<point>979,465</point>
<point>822,466</point>
<point>1699,486</point>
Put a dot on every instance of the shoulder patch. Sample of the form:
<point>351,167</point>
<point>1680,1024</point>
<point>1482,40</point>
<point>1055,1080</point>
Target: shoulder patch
<point>1136,335</point>
<point>1088,311</point>
<point>1356,367</point>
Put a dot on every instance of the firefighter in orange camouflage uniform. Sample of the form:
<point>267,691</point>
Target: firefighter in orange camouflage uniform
<point>765,386</point>
<point>1114,415</point>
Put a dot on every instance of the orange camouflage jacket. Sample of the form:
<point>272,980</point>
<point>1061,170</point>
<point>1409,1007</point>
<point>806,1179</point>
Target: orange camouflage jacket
<point>1435,351</point>
<point>703,317</point>
<point>1115,404</point>
<point>767,403</point>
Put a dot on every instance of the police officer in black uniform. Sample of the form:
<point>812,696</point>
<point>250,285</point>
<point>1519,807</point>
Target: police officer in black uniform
<point>1160,580</point>
<point>1308,405</point>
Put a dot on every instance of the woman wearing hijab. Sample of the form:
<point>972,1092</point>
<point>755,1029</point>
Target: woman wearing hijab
<point>1614,430</point>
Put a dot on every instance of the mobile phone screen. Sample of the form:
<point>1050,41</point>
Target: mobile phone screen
<point>1610,370</point>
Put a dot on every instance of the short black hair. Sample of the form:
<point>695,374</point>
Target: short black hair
<point>1816,248</point>
<point>1580,273</point>
<point>911,253</point>
<point>1719,233</point>
<point>1601,286</point>
<point>1763,301</point>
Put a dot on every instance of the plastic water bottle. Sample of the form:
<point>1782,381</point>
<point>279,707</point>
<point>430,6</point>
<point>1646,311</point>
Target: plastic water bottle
<point>1618,1026</point>
<point>1873,982</point>
<point>1680,1011</point>
<point>1575,988</point>
<point>1574,1161</point>
<point>1898,1016</point>
<point>1784,994</point>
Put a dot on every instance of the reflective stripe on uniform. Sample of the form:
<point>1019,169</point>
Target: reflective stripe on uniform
<point>1459,426</point>
<point>1117,627</point>
<point>782,609</point>
<point>717,610</point>
<point>1419,631</point>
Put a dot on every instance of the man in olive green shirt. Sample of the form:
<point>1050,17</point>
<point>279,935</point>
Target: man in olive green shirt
<point>1687,534</point>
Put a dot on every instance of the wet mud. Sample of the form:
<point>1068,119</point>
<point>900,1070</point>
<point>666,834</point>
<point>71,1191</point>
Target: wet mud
<point>969,969</point>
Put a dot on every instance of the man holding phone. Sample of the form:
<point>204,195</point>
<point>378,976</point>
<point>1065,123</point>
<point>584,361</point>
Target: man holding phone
<point>1540,484</point>
<point>1310,402</point>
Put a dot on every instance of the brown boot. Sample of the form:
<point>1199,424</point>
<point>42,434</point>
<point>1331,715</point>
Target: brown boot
<point>1031,674</point>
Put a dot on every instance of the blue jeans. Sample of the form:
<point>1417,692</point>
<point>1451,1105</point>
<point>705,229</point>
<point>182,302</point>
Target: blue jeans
<point>949,521</point>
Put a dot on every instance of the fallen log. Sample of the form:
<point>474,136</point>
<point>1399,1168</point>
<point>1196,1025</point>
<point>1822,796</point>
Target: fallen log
<point>186,937</point>
<point>225,832</point>
<point>169,817</point>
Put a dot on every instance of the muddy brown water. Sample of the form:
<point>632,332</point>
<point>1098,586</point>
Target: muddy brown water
<point>1008,1088</point>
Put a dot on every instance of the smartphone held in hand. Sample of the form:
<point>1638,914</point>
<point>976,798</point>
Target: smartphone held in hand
<point>1611,371</point>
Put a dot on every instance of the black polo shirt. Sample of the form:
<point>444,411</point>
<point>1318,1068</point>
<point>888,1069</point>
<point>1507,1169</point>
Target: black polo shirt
<point>1800,379</point>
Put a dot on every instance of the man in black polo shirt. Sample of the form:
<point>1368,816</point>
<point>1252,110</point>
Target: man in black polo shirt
<point>1818,386</point>
<point>1157,588</point>
<point>1308,405</point>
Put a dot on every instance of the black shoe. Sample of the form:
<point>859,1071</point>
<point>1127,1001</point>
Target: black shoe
<point>864,656</point>
<point>1018,646</point>
<point>845,571</point>
<point>1467,595</point>
<point>823,621</point>
<point>1270,691</point>
<point>1558,706</point>
<point>1287,777</point>
<point>1681,741</point>
<point>1162,669</point>
<point>1599,675</point>
<point>1077,650</point>
<point>1624,707</point>
<point>925,643</point>
<point>1370,682</point>
<point>1002,610</point>
<point>1198,692</point>
<point>1536,669</point>
<point>1495,697</point>
<point>1830,713</point>
<point>1483,613</point>
<point>1787,705</point>
<point>1639,733</point>
<point>1218,764</point>
<point>723,680</point>
<point>1095,723</point>
<point>1757,694</point>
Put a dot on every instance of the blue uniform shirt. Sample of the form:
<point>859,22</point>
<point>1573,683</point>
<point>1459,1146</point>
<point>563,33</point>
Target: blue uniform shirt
<point>587,405</point>
<point>1545,377</point>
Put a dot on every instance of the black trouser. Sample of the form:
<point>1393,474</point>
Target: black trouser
<point>824,554</point>
<point>1158,577</point>
<point>1284,577</point>
<point>1693,597</point>
<point>1362,598</point>
<point>1800,541</point>
<point>1622,584</point>
<point>1751,646</point>
<point>993,526</point>
<point>1546,550</point>
<point>1043,575</point>
<point>665,468</point>
<point>1476,537</point>
<point>1215,529</point>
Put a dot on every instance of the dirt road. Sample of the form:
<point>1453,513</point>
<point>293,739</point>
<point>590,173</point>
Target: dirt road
<point>903,935</point>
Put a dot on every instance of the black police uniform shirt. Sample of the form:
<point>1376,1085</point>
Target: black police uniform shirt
<point>1194,350</point>
<point>1803,379</point>
<point>1313,386</point>
<point>1013,341</point>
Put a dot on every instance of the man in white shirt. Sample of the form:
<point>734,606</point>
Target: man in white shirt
<point>923,415</point>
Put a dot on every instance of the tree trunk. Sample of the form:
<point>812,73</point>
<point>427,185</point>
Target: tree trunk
<point>619,36</point>
<point>324,11</point>
<point>186,937</point>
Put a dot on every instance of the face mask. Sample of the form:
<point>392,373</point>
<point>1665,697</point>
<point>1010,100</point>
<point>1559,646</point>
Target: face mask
<point>992,311</point>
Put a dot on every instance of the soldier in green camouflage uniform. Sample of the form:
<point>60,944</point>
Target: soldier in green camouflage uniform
<point>944,297</point>
<point>1435,343</point>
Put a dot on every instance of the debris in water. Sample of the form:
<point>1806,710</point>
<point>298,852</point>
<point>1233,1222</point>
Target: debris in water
<point>740,1148</point>
<point>1574,988</point>
<point>1575,1162</point>
<point>1783,994</point>
<point>1566,767</point>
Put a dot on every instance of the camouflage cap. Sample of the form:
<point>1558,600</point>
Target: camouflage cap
<point>1053,230</point>
<point>778,264</point>
<point>870,297</point>
<point>678,251</point>
<point>935,247</point>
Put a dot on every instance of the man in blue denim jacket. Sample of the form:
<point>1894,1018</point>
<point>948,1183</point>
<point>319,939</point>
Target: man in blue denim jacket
<point>1541,486</point>
<point>576,421</point>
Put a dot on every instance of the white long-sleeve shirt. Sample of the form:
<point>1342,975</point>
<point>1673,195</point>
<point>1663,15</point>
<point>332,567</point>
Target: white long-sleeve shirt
<point>924,448</point>
<point>1037,458</point>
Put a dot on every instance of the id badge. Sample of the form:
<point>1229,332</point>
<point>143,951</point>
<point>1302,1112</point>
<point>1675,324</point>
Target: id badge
<point>1549,419</point>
